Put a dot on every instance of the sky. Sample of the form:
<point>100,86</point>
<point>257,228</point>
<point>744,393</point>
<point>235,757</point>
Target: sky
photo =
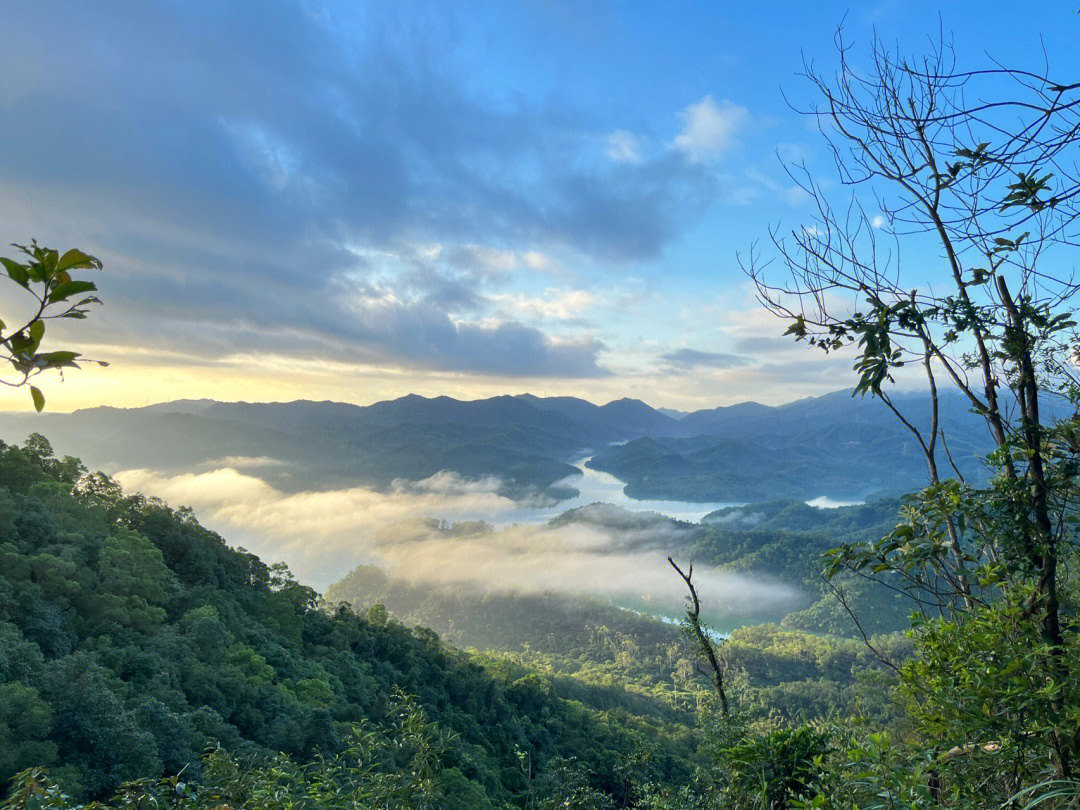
<point>355,201</point>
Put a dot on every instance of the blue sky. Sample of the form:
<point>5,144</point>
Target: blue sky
<point>355,201</point>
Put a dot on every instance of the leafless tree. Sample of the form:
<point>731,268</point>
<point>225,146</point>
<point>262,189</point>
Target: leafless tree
<point>697,631</point>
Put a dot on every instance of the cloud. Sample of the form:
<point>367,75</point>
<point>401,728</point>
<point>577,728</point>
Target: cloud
<point>321,535</point>
<point>269,156</point>
<point>242,462</point>
<point>555,304</point>
<point>277,213</point>
<point>689,359</point>
<point>796,153</point>
<point>417,318</point>
<point>632,210</point>
<point>710,129</point>
<point>574,559</point>
<point>419,335</point>
<point>483,258</point>
<point>767,344</point>
<point>624,147</point>
<point>738,519</point>
<point>497,263</point>
<point>535,260</point>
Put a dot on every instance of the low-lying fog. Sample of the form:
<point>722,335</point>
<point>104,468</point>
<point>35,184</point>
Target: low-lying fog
<point>323,535</point>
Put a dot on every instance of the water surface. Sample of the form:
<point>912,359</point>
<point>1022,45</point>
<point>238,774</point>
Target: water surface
<point>595,486</point>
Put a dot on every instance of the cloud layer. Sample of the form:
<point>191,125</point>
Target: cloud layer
<point>322,535</point>
<point>328,183</point>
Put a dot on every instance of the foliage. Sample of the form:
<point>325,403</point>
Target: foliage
<point>46,276</point>
<point>395,766</point>
<point>773,769</point>
<point>991,701</point>
<point>132,638</point>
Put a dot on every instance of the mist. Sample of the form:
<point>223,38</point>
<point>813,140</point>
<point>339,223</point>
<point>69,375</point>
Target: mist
<point>323,535</point>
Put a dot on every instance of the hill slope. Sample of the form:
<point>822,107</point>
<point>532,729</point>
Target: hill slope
<point>131,638</point>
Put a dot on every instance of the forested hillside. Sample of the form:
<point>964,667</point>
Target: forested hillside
<point>133,639</point>
<point>606,656</point>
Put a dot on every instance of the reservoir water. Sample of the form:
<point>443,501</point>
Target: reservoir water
<point>595,486</point>
<point>600,487</point>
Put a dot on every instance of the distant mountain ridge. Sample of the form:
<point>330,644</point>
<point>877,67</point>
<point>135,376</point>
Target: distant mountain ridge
<point>829,445</point>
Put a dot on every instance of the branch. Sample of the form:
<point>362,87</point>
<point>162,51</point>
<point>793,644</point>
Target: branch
<point>693,621</point>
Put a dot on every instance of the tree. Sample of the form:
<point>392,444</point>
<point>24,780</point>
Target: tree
<point>987,189</point>
<point>24,730</point>
<point>54,293</point>
<point>699,634</point>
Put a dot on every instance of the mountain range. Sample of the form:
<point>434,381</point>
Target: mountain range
<point>833,445</point>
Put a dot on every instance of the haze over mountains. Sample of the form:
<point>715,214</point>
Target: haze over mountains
<point>525,446</point>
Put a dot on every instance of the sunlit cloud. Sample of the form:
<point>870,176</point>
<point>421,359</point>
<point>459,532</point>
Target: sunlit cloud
<point>556,304</point>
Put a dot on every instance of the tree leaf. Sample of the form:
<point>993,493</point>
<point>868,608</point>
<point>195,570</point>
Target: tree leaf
<point>76,259</point>
<point>58,359</point>
<point>38,397</point>
<point>64,291</point>
<point>16,272</point>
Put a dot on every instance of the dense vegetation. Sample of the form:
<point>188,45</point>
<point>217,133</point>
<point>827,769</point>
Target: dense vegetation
<point>787,539</point>
<point>133,639</point>
<point>605,656</point>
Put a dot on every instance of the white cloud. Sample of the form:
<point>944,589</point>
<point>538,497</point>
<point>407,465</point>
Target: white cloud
<point>535,260</point>
<point>878,221</point>
<point>495,261</point>
<point>710,128</point>
<point>624,147</point>
<point>322,535</point>
<point>557,304</point>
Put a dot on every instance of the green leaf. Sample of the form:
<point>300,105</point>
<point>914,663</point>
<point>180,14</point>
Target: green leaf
<point>37,332</point>
<point>57,359</point>
<point>38,397</point>
<point>76,259</point>
<point>63,291</point>
<point>16,272</point>
<point>797,328</point>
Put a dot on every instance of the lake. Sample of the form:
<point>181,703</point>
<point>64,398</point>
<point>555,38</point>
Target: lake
<point>595,486</point>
